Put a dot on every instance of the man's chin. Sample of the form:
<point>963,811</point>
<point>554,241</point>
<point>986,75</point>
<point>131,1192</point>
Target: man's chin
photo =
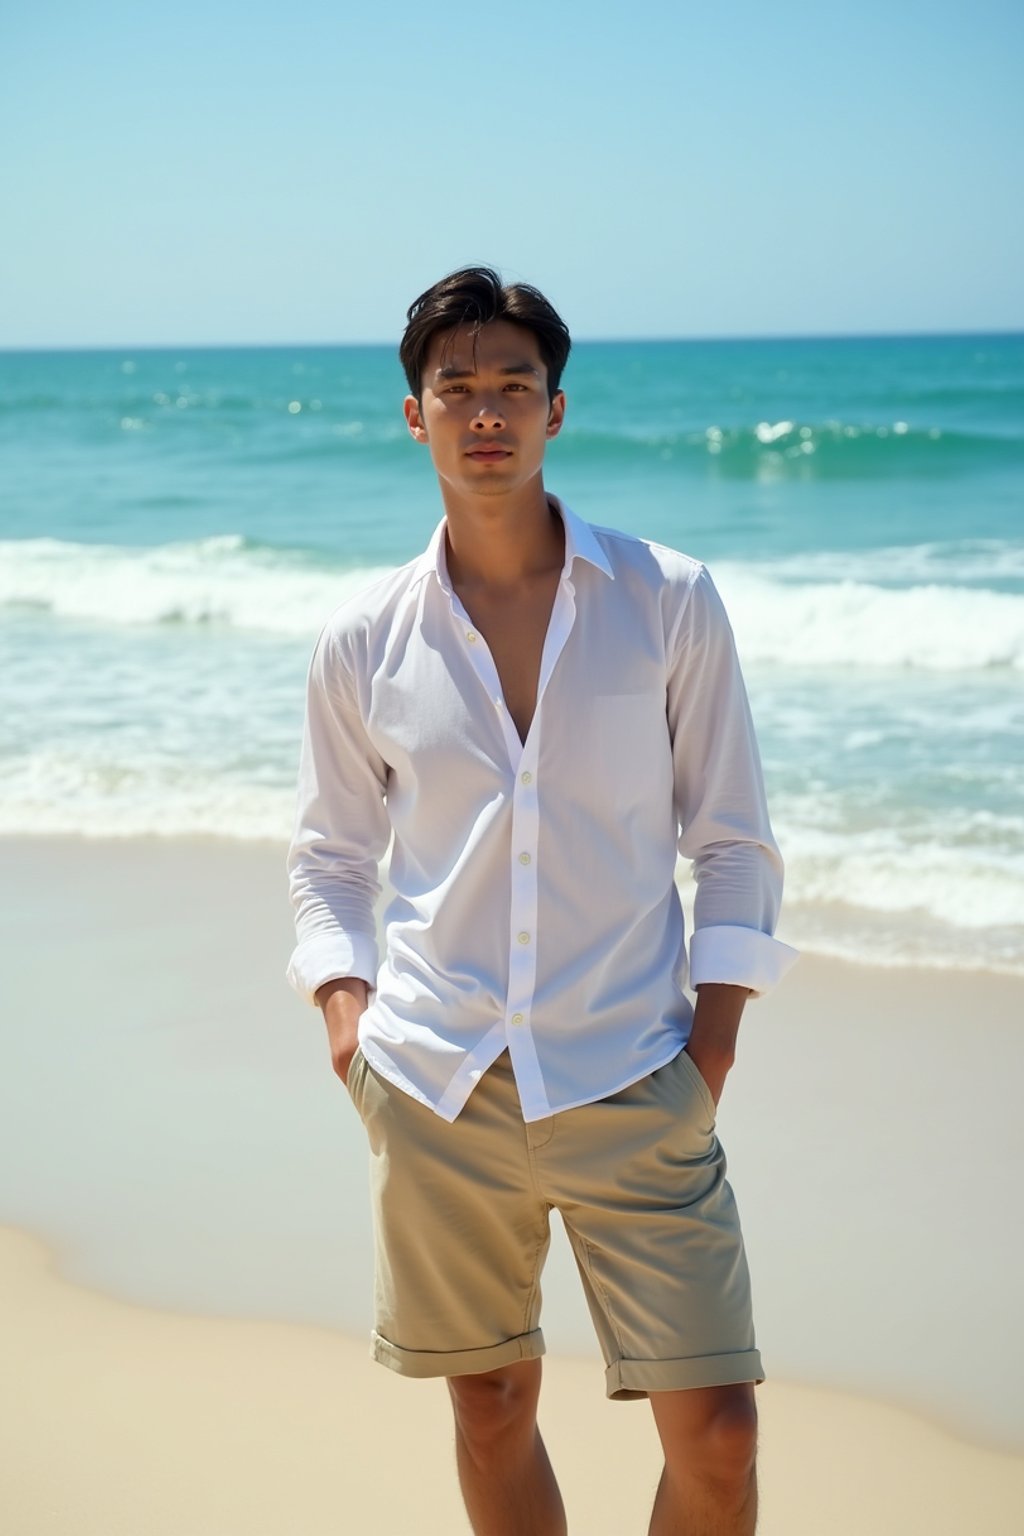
<point>493,483</point>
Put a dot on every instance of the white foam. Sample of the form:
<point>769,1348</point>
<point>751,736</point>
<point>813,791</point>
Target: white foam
<point>957,561</point>
<point>946,895</point>
<point>217,580</point>
<point>886,895</point>
<point>839,622</point>
<point>862,939</point>
<point>930,874</point>
<point>853,624</point>
<point>824,622</point>
<point>55,792</point>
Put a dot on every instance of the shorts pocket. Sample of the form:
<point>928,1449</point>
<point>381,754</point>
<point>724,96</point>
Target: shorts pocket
<point>356,1073</point>
<point>693,1072</point>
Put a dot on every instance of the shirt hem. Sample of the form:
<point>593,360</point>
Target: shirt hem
<point>606,1093</point>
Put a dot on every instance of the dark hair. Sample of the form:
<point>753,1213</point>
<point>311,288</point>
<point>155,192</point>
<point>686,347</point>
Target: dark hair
<point>476,296</point>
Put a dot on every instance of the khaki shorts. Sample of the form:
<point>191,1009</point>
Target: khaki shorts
<point>461,1221</point>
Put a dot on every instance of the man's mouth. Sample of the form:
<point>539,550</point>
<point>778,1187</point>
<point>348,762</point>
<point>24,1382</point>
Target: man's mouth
<point>488,453</point>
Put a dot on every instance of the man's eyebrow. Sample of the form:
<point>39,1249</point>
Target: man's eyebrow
<point>452,372</point>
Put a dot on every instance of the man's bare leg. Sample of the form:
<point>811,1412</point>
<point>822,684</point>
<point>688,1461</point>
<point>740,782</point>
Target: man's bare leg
<point>504,1471</point>
<point>709,1486</point>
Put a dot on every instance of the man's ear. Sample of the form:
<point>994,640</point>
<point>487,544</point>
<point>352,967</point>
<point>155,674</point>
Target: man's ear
<point>556,415</point>
<point>414,418</point>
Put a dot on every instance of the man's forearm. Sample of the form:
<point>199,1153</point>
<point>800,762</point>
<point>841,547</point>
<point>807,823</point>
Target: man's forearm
<point>353,987</point>
<point>716,1022</point>
<point>342,1002</point>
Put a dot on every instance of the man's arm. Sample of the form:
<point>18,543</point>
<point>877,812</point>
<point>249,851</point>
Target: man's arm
<point>341,834</point>
<point>716,1022</point>
<point>342,1002</point>
<point>725,831</point>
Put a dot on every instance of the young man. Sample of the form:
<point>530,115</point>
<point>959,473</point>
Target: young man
<point>540,713</point>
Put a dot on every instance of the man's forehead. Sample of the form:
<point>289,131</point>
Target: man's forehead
<point>499,345</point>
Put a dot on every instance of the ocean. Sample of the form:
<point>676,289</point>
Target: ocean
<point>175,525</point>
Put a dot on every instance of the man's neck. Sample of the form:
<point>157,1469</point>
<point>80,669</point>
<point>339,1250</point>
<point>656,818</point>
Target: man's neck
<point>501,541</point>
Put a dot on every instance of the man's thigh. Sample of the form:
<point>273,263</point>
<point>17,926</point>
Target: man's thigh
<point>640,1180</point>
<point>460,1230</point>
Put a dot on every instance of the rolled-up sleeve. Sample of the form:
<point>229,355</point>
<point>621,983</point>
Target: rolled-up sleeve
<point>720,803</point>
<point>341,832</point>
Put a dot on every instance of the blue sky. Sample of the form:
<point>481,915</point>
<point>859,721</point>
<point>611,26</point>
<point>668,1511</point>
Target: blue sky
<point>217,173</point>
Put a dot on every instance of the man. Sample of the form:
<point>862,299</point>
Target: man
<point>539,713</point>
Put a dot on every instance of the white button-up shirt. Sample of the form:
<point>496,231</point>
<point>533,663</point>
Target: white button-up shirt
<point>534,904</point>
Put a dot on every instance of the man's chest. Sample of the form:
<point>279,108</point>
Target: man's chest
<point>439,697</point>
<point>513,630</point>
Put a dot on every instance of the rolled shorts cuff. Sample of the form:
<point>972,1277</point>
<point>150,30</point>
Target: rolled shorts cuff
<point>456,1362</point>
<point>625,1379</point>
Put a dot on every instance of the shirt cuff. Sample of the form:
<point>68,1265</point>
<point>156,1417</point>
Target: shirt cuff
<point>329,956</point>
<point>739,957</point>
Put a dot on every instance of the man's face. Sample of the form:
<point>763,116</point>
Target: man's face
<point>484,412</point>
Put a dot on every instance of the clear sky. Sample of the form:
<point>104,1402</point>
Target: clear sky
<point>247,172</point>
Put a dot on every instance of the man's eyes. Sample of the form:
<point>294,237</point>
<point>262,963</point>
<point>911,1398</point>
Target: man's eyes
<point>463,389</point>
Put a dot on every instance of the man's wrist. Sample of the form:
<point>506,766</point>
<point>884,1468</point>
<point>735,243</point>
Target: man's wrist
<point>342,1002</point>
<point>716,1021</point>
<point>716,1017</point>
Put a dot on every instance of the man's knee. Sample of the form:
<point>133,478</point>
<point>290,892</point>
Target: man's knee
<point>492,1405</point>
<point>711,1432</point>
<point>730,1437</point>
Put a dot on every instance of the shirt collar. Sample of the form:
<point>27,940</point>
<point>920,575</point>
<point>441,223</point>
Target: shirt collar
<point>433,559</point>
<point>581,543</point>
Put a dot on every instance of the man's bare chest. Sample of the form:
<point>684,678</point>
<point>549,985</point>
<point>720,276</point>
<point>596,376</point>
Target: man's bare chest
<point>514,629</point>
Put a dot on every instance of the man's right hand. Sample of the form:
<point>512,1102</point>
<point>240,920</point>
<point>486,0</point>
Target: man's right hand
<point>342,1002</point>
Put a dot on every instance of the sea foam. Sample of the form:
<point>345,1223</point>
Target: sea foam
<point>876,896</point>
<point>835,620</point>
<point>221,580</point>
<point>849,623</point>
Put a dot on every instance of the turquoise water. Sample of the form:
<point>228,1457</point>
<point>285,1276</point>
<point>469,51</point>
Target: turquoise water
<point>175,525</point>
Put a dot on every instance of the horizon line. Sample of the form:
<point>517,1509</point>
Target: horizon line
<point>269,346</point>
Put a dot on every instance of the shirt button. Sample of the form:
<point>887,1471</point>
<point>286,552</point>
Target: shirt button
<point>526,778</point>
<point>471,637</point>
<point>517,1018</point>
<point>524,858</point>
<point>524,937</point>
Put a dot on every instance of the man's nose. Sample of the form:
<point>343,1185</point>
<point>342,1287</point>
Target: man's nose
<point>488,417</point>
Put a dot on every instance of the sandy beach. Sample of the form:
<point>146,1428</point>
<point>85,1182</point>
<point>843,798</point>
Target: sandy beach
<point>185,1255</point>
<point>117,1419</point>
